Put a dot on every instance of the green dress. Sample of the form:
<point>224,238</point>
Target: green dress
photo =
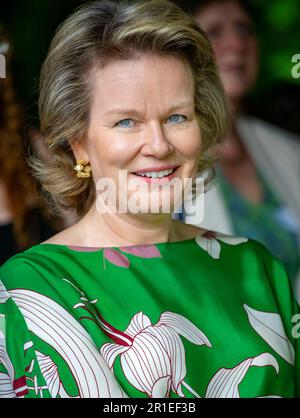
<point>211,316</point>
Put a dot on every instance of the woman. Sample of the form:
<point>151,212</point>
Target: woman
<point>257,189</point>
<point>22,223</point>
<point>133,303</point>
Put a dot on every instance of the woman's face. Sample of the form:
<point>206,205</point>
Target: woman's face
<point>142,120</point>
<point>231,33</point>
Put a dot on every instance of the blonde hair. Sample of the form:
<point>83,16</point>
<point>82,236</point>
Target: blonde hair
<point>92,36</point>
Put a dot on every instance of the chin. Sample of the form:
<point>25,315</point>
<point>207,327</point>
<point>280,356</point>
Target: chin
<point>237,90</point>
<point>236,93</point>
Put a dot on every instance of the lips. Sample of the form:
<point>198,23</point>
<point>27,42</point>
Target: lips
<point>155,169</point>
<point>157,179</point>
<point>233,67</point>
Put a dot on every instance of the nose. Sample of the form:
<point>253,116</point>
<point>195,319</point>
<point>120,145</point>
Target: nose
<point>232,41</point>
<point>156,143</point>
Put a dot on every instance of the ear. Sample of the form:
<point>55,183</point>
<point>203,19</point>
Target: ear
<point>79,149</point>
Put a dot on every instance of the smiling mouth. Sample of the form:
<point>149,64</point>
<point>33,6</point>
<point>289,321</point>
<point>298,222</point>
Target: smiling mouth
<point>157,175</point>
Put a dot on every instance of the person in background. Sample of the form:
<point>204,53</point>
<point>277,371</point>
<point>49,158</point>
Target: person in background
<point>257,191</point>
<point>22,223</point>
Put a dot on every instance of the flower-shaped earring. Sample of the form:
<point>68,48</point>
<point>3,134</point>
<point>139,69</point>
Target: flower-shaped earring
<point>83,169</point>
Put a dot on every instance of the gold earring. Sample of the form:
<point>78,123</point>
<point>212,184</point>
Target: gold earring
<point>83,169</point>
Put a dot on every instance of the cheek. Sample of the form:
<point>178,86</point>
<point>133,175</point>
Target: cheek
<point>252,58</point>
<point>107,150</point>
<point>192,143</point>
<point>218,50</point>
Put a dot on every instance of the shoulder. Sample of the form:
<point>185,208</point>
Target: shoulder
<point>65,237</point>
<point>268,131</point>
<point>253,251</point>
<point>27,269</point>
<point>16,270</point>
<point>72,235</point>
<point>245,254</point>
<point>256,266</point>
<point>223,246</point>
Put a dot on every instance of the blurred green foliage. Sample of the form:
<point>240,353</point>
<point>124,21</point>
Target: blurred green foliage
<point>279,35</point>
<point>31,24</point>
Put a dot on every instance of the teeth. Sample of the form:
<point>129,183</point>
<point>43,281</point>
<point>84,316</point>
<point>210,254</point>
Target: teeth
<point>156,174</point>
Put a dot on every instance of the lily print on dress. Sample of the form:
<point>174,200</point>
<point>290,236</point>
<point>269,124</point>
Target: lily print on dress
<point>209,242</point>
<point>269,327</point>
<point>6,379</point>
<point>225,383</point>
<point>53,324</point>
<point>10,387</point>
<point>152,356</point>
<point>154,362</point>
<point>158,349</point>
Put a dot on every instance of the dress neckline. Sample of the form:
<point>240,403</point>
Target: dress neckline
<point>84,249</point>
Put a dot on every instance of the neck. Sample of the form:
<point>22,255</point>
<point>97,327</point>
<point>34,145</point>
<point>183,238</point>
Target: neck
<point>117,229</point>
<point>235,108</point>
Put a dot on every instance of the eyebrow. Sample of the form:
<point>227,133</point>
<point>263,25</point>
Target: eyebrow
<point>119,111</point>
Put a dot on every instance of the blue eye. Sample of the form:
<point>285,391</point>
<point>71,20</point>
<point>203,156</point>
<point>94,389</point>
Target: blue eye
<point>177,118</point>
<point>125,123</point>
